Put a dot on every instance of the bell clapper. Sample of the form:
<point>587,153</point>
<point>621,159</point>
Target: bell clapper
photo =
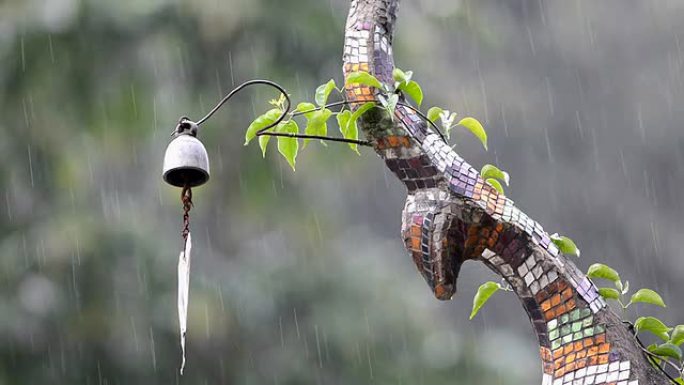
<point>184,271</point>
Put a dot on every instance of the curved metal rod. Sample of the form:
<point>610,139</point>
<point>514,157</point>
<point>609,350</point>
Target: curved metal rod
<point>240,88</point>
<point>282,116</point>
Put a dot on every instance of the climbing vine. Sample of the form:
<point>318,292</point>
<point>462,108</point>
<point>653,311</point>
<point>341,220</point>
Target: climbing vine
<point>667,353</point>
<point>318,113</point>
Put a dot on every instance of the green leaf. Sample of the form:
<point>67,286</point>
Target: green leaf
<point>495,183</point>
<point>678,335</point>
<point>363,78</point>
<point>260,123</point>
<point>599,270</point>
<point>476,128</point>
<point>434,113</point>
<point>491,171</point>
<point>289,147</point>
<point>654,326</point>
<point>657,360</point>
<point>413,90</point>
<point>305,108</point>
<point>647,296</point>
<point>391,104</point>
<point>485,291</point>
<point>362,110</point>
<point>679,380</point>
<point>263,143</point>
<point>668,350</point>
<point>317,123</point>
<point>402,77</point>
<point>343,119</point>
<point>323,92</point>
<point>609,293</point>
<point>348,128</point>
<point>565,245</point>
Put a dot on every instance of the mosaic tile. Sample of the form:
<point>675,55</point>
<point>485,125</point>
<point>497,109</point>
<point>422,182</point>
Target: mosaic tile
<point>452,215</point>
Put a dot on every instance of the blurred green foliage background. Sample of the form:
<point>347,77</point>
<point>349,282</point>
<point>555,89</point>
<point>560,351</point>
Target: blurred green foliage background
<point>301,278</point>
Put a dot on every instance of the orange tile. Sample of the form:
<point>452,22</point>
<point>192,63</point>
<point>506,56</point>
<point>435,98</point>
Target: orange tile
<point>415,244</point>
<point>570,304</point>
<point>603,359</point>
<point>604,348</point>
<point>567,294</point>
<point>570,358</point>
<point>555,300</point>
<point>558,353</point>
<point>549,315</point>
<point>593,351</point>
<point>559,363</point>
<point>560,310</point>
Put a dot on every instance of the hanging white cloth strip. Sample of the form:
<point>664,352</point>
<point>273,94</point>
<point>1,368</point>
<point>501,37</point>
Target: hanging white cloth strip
<point>183,290</point>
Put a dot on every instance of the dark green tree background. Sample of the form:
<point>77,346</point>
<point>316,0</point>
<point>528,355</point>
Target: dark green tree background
<point>301,278</point>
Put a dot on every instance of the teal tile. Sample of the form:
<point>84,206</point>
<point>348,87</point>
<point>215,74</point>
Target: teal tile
<point>575,315</point>
<point>565,330</point>
<point>565,318</point>
<point>577,326</point>
<point>567,339</point>
<point>552,324</point>
<point>554,334</point>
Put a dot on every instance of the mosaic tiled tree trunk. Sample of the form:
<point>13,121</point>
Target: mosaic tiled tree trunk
<point>452,216</point>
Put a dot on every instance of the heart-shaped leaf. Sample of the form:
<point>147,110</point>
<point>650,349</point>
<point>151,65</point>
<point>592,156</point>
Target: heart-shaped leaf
<point>323,92</point>
<point>654,326</point>
<point>599,270</point>
<point>609,293</point>
<point>668,350</point>
<point>496,184</point>
<point>677,335</point>
<point>647,296</point>
<point>289,147</point>
<point>484,292</point>
<point>491,171</point>
<point>474,126</point>
<point>413,90</point>
<point>306,109</point>
<point>434,113</point>
<point>391,104</point>
<point>363,78</point>
<point>565,245</point>
<point>317,123</point>
<point>261,122</point>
